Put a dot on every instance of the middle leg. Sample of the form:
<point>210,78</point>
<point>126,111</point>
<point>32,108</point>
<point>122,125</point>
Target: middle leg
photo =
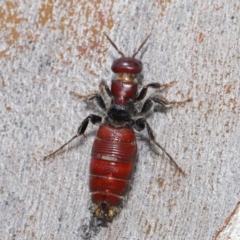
<point>94,119</point>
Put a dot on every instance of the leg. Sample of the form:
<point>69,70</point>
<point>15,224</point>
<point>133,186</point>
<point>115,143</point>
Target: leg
<point>97,96</point>
<point>104,84</point>
<point>140,124</point>
<point>80,96</point>
<point>81,130</point>
<point>143,92</point>
<point>162,102</point>
<point>131,107</point>
<point>101,85</point>
<point>99,100</point>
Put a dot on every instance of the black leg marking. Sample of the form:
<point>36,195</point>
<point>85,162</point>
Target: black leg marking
<point>147,105</point>
<point>154,85</point>
<point>140,124</point>
<point>94,120</point>
<point>81,130</point>
<point>131,107</point>
<point>99,100</point>
<point>143,92</point>
<point>88,96</point>
<point>162,102</point>
<point>96,96</point>
<point>107,89</point>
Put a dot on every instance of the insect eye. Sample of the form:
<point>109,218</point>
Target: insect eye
<point>127,65</point>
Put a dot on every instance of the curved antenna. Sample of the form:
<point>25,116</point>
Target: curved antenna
<point>114,45</point>
<point>141,46</point>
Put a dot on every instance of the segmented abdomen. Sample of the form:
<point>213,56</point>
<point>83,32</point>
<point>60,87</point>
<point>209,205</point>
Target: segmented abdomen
<point>114,154</point>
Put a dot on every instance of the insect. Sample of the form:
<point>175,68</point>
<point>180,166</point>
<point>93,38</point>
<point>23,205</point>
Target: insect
<point>114,151</point>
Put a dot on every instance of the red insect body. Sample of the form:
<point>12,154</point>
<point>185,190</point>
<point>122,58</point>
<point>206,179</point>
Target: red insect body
<point>123,91</point>
<point>114,151</point>
<point>114,154</point>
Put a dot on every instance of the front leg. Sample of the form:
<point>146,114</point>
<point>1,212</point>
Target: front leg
<point>107,89</point>
<point>162,102</point>
<point>99,100</point>
<point>100,86</point>
<point>96,95</point>
<point>154,85</point>
<point>141,124</point>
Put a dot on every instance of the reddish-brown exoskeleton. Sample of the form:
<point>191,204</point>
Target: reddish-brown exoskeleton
<point>114,151</point>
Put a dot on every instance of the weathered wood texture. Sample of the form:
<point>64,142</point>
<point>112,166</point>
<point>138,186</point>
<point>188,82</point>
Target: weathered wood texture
<point>49,48</point>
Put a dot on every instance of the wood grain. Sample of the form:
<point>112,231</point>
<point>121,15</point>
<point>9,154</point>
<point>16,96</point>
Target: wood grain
<point>50,48</point>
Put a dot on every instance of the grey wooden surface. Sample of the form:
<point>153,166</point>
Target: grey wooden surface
<point>61,48</point>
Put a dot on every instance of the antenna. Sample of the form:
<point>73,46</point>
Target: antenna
<point>141,46</point>
<point>114,45</point>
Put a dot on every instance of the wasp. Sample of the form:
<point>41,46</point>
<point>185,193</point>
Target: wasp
<point>114,150</point>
